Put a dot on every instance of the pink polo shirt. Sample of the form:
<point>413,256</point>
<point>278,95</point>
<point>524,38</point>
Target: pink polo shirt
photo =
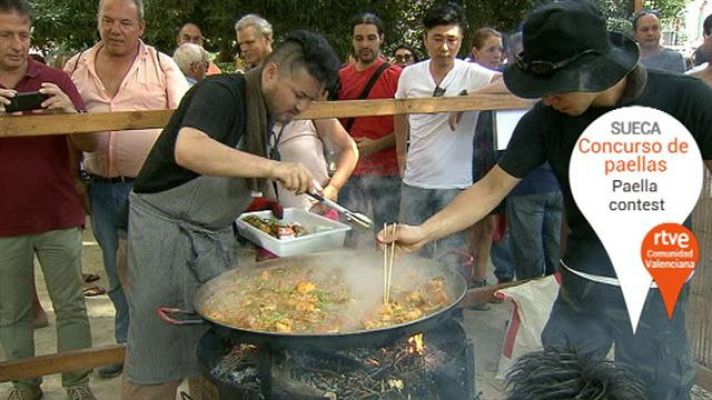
<point>149,85</point>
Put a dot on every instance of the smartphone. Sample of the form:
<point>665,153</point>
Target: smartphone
<point>26,101</point>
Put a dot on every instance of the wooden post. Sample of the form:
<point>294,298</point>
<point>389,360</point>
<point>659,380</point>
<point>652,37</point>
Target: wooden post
<point>483,295</point>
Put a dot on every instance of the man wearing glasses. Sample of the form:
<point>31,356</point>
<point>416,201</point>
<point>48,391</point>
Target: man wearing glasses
<point>580,74</point>
<point>404,56</point>
<point>437,163</point>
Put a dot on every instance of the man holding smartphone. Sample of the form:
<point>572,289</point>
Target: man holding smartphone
<point>40,210</point>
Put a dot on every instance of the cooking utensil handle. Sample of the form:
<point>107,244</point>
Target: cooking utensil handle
<point>329,203</point>
<point>358,219</point>
<point>166,314</point>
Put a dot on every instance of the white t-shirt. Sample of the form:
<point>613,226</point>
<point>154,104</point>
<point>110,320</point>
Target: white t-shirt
<point>439,158</point>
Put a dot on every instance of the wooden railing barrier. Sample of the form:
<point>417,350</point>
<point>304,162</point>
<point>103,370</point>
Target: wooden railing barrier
<point>60,124</point>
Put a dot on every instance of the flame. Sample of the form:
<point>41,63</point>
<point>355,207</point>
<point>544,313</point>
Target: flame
<point>416,344</point>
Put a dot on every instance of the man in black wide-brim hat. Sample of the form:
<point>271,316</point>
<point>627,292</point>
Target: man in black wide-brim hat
<point>580,71</point>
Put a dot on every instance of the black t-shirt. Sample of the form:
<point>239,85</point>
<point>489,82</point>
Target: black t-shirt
<point>215,106</point>
<point>545,134</point>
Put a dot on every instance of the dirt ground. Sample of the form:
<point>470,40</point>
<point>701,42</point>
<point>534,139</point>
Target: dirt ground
<point>485,328</point>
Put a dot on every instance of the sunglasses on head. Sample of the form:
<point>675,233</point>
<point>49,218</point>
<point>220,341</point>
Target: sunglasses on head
<point>540,67</point>
<point>646,11</point>
<point>643,13</point>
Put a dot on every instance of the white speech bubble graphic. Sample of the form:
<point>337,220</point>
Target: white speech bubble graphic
<point>632,169</point>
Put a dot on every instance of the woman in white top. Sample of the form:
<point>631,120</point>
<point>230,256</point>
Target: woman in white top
<point>487,49</point>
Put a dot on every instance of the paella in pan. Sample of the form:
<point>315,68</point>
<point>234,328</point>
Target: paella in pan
<point>326,295</point>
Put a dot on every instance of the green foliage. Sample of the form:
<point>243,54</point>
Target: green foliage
<point>618,14</point>
<point>492,14</point>
<point>70,25</point>
<point>668,8</point>
<point>64,25</point>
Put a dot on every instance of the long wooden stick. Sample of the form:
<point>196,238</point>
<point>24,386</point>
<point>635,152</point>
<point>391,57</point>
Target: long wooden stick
<point>481,296</point>
<point>61,362</point>
<point>61,124</point>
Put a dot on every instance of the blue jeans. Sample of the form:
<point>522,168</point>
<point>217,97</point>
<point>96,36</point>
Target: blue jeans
<point>106,199</point>
<point>534,223</point>
<point>501,255</point>
<point>418,204</point>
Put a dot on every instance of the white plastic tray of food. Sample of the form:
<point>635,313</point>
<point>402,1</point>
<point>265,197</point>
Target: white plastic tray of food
<point>322,233</point>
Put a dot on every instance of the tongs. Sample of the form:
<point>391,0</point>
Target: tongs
<point>353,216</point>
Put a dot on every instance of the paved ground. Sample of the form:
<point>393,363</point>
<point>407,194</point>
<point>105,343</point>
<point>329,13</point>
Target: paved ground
<point>486,328</point>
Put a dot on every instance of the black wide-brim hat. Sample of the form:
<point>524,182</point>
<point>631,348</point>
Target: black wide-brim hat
<point>572,37</point>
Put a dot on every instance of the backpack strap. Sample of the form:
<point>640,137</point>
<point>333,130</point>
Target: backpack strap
<point>76,63</point>
<point>366,90</point>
